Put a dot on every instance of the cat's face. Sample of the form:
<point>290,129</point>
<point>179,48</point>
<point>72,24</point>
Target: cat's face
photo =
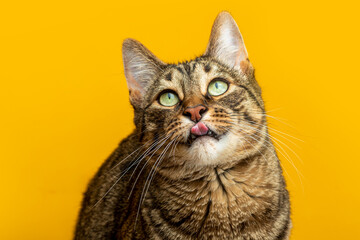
<point>202,111</point>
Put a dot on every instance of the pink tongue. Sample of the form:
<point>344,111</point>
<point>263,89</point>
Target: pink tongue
<point>199,129</point>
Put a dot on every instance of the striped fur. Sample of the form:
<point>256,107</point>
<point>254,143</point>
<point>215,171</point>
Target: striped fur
<point>157,185</point>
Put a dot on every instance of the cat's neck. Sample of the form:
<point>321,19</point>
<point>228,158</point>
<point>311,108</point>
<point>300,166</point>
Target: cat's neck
<point>255,174</point>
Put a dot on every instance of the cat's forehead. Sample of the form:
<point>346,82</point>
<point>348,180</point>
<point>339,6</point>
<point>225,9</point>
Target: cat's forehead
<point>188,69</point>
<point>189,76</point>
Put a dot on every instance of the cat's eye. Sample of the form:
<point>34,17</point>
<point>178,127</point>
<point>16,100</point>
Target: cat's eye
<point>217,87</point>
<point>168,99</point>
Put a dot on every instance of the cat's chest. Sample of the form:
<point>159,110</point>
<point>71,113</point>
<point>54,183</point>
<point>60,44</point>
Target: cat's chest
<point>236,198</point>
<point>220,204</point>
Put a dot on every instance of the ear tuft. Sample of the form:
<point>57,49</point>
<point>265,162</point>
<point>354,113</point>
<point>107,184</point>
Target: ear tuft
<point>226,43</point>
<point>140,67</point>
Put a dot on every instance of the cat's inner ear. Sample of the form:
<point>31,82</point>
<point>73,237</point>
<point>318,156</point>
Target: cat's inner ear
<point>141,67</point>
<point>226,43</point>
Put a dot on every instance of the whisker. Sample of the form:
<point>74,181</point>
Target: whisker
<point>283,153</point>
<point>143,155</point>
<point>271,152</point>
<point>173,147</point>
<point>273,129</point>
<point>143,194</point>
<point>118,179</point>
<point>258,149</point>
<point>153,152</point>
<point>267,115</point>
<point>116,165</point>
<point>265,134</point>
<point>277,140</point>
<point>158,161</point>
<point>282,137</point>
<point>278,132</point>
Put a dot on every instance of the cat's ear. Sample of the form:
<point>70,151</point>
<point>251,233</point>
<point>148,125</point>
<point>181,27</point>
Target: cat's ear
<point>226,43</point>
<point>140,67</point>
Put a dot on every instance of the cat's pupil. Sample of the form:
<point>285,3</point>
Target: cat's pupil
<point>216,85</point>
<point>169,95</point>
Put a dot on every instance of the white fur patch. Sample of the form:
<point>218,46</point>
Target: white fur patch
<point>207,150</point>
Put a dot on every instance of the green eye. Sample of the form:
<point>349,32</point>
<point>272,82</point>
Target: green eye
<point>217,87</point>
<point>168,99</point>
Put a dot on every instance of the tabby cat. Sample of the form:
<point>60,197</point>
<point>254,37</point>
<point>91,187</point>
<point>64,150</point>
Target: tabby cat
<point>200,163</point>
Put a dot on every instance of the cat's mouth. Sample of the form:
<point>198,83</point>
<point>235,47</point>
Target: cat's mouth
<point>193,137</point>
<point>200,130</point>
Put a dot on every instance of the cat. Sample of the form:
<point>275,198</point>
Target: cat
<point>200,163</point>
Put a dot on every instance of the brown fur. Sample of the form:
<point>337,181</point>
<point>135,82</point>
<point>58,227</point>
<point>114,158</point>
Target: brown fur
<point>226,188</point>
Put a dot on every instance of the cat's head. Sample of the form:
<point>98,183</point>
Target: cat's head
<point>204,111</point>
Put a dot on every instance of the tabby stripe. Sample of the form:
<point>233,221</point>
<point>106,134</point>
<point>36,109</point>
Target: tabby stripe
<point>129,208</point>
<point>236,104</point>
<point>143,123</point>
<point>252,96</point>
<point>205,216</point>
<point>168,76</point>
<point>194,66</point>
<point>180,70</point>
<point>284,230</point>
<point>187,69</point>
<point>167,218</point>
<point>219,180</point>
<point>157,226</point>
<point>207,68</point>
<point>248,118</point>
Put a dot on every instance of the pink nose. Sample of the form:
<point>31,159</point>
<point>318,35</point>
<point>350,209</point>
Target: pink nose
<point>195,112</point>
<point>199,129</point>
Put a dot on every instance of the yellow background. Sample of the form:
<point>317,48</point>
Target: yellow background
<point>64,104</point>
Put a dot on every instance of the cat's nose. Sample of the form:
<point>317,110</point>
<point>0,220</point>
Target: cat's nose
<point>194,113</point>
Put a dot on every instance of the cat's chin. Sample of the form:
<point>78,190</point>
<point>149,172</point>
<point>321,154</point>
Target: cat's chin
<point>207,150</point>
<point>204,141</point>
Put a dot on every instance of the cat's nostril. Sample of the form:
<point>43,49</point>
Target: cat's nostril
<point>187,114</point>
<point>203,110</point>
